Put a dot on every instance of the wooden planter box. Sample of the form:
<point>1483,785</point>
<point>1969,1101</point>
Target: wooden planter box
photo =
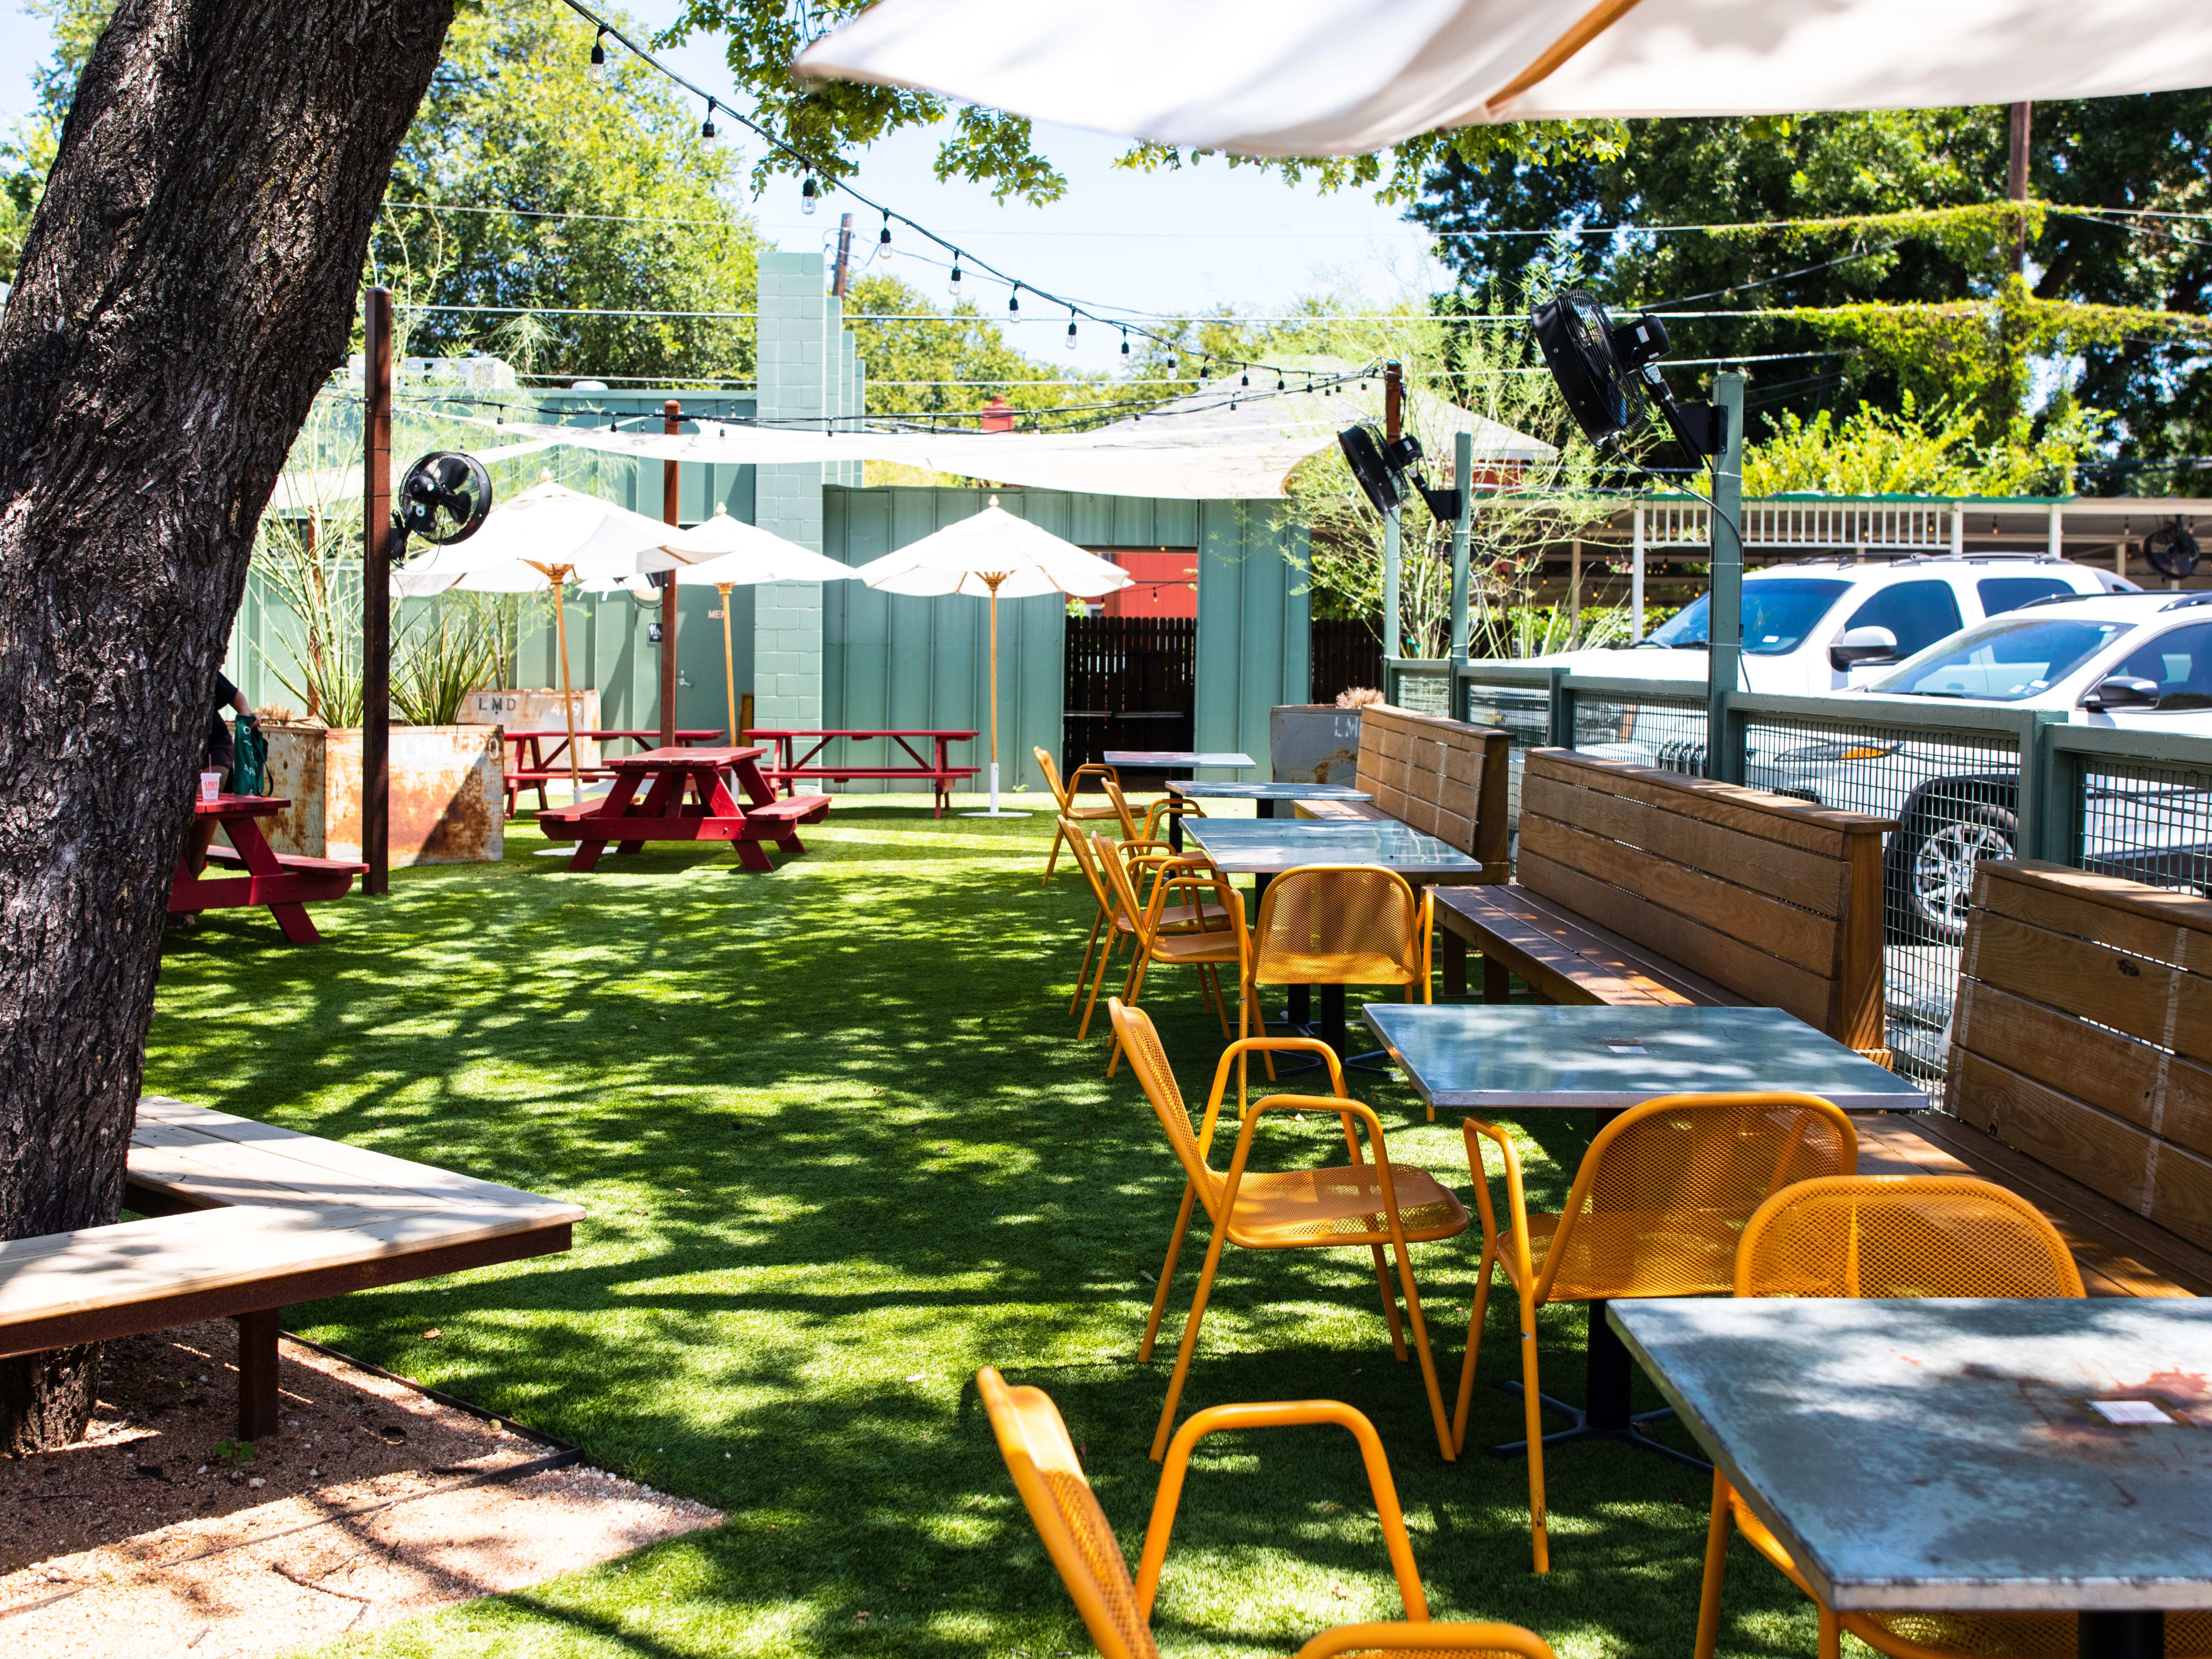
<point>448,792</point>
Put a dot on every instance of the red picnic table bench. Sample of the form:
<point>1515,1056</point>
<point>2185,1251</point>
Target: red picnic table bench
<point>534,767</point>
<point>285,882</point>
<point>690,801</point>
<point>939,770</point>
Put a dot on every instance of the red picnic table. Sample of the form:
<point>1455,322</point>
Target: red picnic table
<point>690,801</point>
<point>534,766</point>
<point>285,882</point>
<point>939,771</point>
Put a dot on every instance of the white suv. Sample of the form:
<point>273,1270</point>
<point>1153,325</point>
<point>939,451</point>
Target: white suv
<point>1834,622</point>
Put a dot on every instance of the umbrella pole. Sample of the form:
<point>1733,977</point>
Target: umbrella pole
<point>568,698</point>
<point>729,664</point>
<point>994,699</point>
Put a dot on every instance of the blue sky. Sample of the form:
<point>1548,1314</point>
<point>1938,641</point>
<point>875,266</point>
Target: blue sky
<point>1169,242</point>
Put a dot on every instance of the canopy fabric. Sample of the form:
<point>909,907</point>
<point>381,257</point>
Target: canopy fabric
<point>1340,77</point>
<point>303,490</point>
<point>1221,443</point>
<point>960,558</point>
<point>548,527</point>
<point>728,552</point>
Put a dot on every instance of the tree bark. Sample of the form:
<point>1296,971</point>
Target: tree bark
<point>185,289</point>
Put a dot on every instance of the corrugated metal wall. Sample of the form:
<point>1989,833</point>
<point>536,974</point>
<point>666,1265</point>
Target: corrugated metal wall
<point>1254,612</point>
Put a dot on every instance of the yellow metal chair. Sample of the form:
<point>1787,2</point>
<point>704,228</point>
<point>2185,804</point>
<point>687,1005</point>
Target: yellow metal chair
<point>1200,943</point>
<point>1656,1209</point>
<point>1112,922</point>
<point>1373,1203</point>
<point>1336,924</point>
<point>1065,793</point>
<point>1905,1236</point>
<point>1088,1557</point>
<point>1168,808</point>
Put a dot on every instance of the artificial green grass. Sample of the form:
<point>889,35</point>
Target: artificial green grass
<point>839,1149</point>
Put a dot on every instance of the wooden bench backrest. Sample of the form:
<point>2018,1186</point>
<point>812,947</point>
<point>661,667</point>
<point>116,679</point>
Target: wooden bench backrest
<point>1778,900</point>
<point>2082,1034</point>
<point>1444,777</point>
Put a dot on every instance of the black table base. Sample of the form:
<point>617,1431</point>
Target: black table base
<point>2123,1635</point>
<point>1606,1416</point>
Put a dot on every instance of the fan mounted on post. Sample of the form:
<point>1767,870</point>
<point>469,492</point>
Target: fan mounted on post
<point>443,499</point>
<point>2172,550</point>
<point>1606,371</point>
<point>1384,466</point>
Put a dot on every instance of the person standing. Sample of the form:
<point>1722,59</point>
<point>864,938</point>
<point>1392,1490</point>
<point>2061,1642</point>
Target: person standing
<point>222,744</point>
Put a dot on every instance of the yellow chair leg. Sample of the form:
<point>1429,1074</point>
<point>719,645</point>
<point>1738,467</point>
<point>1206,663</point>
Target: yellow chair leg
<point>1473,1349</point>
<point>1083,972</point>
<point>1716,1543</point>
<point>1098,979</point>
<point>1130,988</point>
<point>1428,1359</point>
<point>1189,1342</point>
<point>1390,1305</point>
<point>1832,1634</point>
<point>1058,836</point>
<point>1533,1414</point>
<point>1167,1272</point>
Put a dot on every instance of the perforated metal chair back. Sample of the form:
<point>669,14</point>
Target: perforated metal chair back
<point>1338,924</point>
<point>1903,1235</point>
<point>1033,1441</point>
<point>1051,771</point>
<point>1086,856</point>
<point>1664,1193</point>
<point>1140,1040</point>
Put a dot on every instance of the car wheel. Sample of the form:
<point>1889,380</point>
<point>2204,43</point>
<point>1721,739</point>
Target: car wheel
<point>1936,868</point>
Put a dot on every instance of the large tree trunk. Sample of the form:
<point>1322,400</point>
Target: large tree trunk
<point>185,289</point>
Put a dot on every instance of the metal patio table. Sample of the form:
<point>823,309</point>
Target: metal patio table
<point>1496,1057</point>
<point>1271,797</point>
<point>1950,1455</point>
<point>1154,760</point>
<point>1265,847</point>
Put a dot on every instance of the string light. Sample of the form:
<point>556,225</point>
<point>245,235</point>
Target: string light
<point>883,242</point>
<point>952,284</point>
<point>1014,304</point>
<point>1278,380</point>
<point>1244,379</point>
<point>1125,343</point>
<point>1070,328</point>
<point>599,70</point>
<point>706,126</point>
<point>807,195</point>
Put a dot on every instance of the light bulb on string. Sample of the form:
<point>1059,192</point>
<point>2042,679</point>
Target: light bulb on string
<point>1070,328</point>
<point>883,242</point>
<point>1125,343</point>
<point>1278,380</point>
<point>1014,304</point>
<point>807,195</point>
<point>706,126</point>
<point>598,70</point>
<point>952,286</point>
<point>1243,380</point>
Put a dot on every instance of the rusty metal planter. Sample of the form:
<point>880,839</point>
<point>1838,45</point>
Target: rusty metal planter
<point>448,792</point>
<point>1313,743</point>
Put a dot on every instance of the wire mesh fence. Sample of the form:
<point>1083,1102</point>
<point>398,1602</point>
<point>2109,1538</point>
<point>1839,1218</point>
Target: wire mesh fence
<point>2147,824</point>
<point>1666,733</point>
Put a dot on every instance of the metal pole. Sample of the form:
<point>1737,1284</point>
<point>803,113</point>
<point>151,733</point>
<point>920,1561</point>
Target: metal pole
<point>729,662</point>
<point>1463,530</point>
<point>1574,591</point>
<point>1394,628</point>
<point>995,581</point>
<point>671,501</point>
<point>376,593</point>
<point>2054,541</point>
<point>1635,576</point>
<point>1724,759</point>
<point>2016,181</point>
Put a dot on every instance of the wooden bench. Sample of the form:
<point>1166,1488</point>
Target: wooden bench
<point>1444,778</point>
<point>936,769</point>
<point>2083,1035</point>
<point>243,1217</point>
<point>1634,886</point>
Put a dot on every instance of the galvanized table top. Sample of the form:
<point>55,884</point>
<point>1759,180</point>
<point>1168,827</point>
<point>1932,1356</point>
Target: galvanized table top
<point>1177,757</point>
<point>1952,1454</point>
<point>1267,847</point>
<point>1207,790</point>
<point>1492,1057</point>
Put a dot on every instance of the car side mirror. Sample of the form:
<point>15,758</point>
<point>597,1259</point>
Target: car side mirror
<point>1861,645</point>
<point>2123,691</point>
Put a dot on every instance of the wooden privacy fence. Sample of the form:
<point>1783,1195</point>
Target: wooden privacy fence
<point>1131,684</point>
<point>1345,653</point>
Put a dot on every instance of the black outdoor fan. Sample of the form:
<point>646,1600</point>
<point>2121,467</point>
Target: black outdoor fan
<point>1606,370</point>
<point>2172,550</point>
<point>443,499</point>
<point>1384,466</point>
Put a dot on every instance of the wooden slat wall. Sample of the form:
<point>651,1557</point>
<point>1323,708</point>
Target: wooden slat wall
<point>1444,777</point>
<point>1777,900</point>
<point>2082,1034</point>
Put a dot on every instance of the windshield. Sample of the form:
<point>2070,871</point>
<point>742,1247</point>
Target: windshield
<point>1777,615</point>
<point>2004,661</point>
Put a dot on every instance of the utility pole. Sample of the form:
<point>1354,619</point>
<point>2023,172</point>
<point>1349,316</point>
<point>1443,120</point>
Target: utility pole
<point>1724,634</point>
<point>1394,631</point>
<point>844,255</point>
<point>672,423</point>
<point>2016,184</point>
<point>376,592</point>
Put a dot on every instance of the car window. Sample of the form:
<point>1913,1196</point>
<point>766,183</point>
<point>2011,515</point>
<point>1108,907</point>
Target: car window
<point>2000,593</point>
<point>1918,613</point>
<point>2180,660</point>
<point>1777,615</point>
<point>2006,660</point>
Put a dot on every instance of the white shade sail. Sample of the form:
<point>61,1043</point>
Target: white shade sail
<point>548,527</point>
<point>728,552</point>
<point>1335,77</point>
<point>965,558</point>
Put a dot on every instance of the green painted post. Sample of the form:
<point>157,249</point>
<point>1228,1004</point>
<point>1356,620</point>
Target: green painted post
<point>1463,531</point>
<point>1723,755</point>
<point>1393,629</point>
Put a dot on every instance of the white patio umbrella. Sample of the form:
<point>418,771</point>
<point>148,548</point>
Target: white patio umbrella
<point>730,553</point>
<point>547,536</point>
<point>1313,78</point>
<point>995,554</point>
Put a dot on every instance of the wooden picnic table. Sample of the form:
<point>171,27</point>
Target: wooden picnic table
<point>285,882</point>
<point>689,799</point>
<point>534,767</point>
<point>937,769</point>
